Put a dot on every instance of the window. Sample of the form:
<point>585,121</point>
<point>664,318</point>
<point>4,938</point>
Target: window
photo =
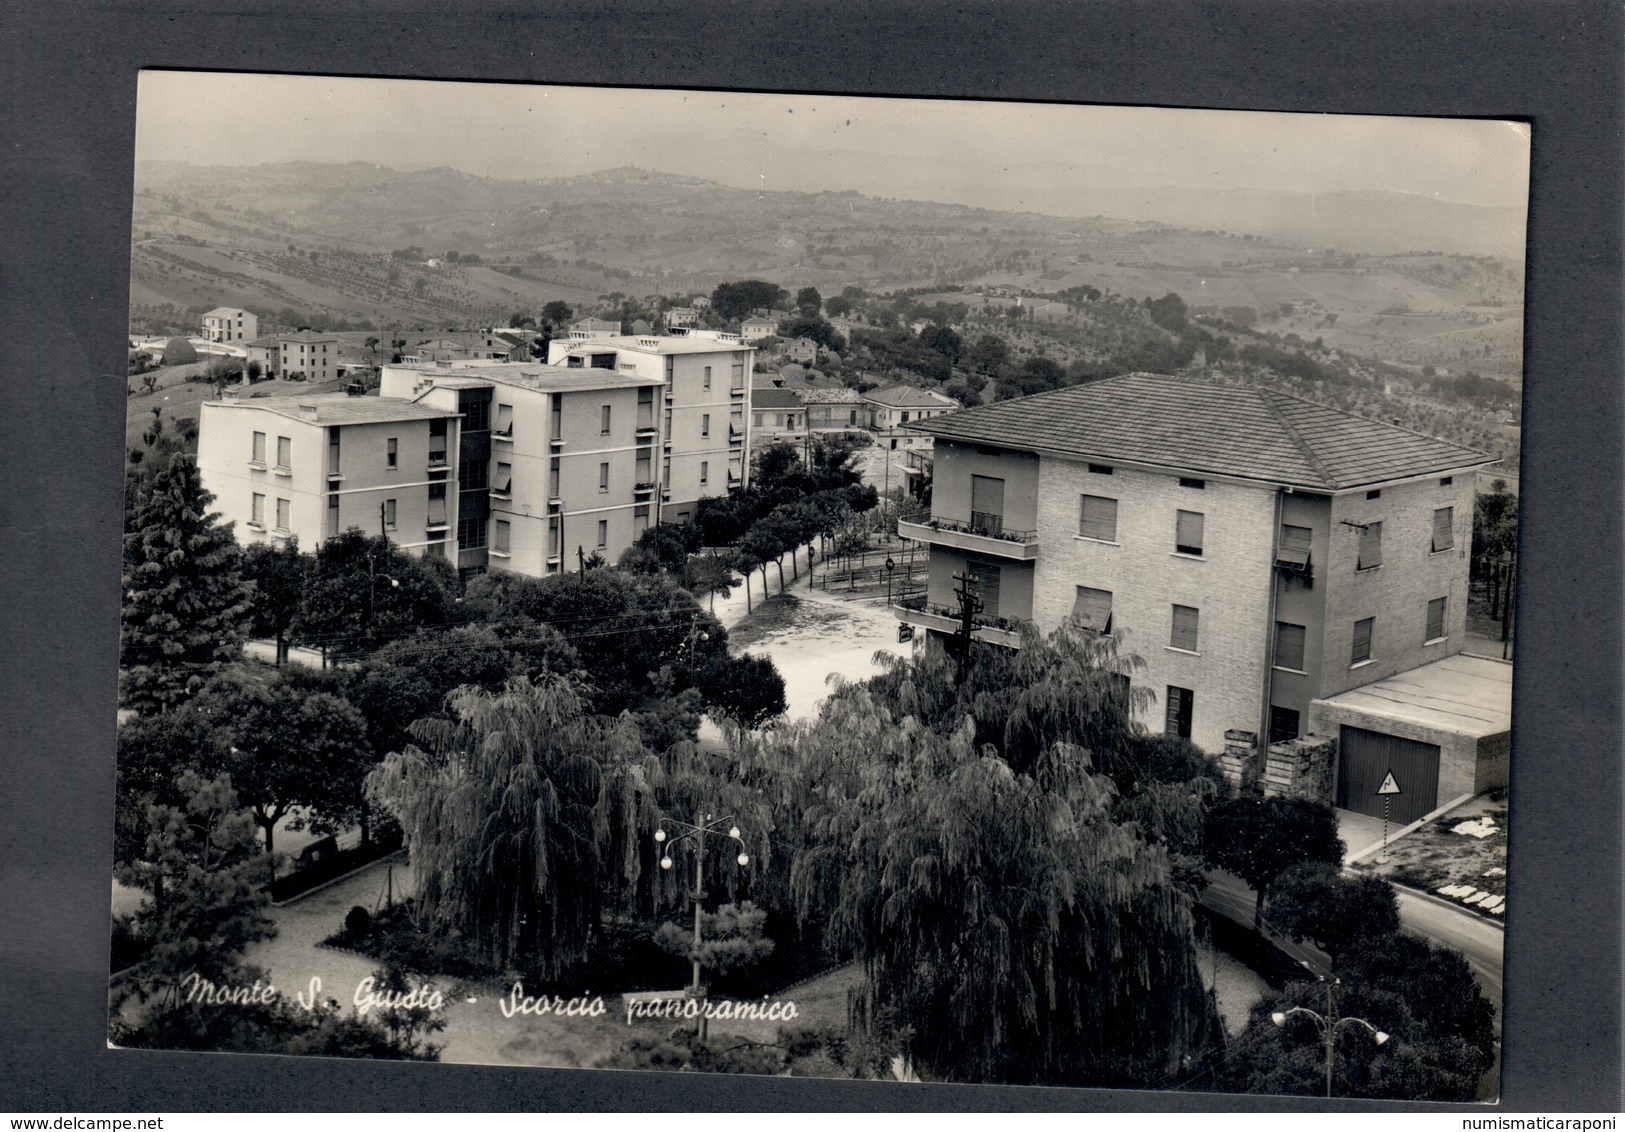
<point>905,416</point>
<point>1100,469</point>
<point>389,514</point>
<point>437,441</point>
<point>258,512</point>
<point>1294,546</point>
<point>705,471</point>
<point>1447,481</point>
<point>603,533</point>
<point>259,449</point>
<point>392,458</point>
<point>738,375</point>
<point>476,416</point>
<point>603,477</point>
<point>1098,518</point>
<point>470,533</point>
<point>473,475</point>
<point>1374,494</point>
<point>1370,547</point>
<point>333,452</point>
<point>1361,652</point>
<point>1184,632</point>
<point>504,425</point>
<point>987,505</point>
<point>1436,611</point>
<point>503,483</point>
<point>705,424</point>
<point>1284,724</point>
<point>1443,535</point>
<point>284,453</point>
<point>1188,532</point>
<point>437,504</point>
<point>1199,485</point>
<point>603,421</point>
<point>1093,609</point>
<point>707,384</point>
<point>499,539</point>
<point>282,517</point>
<point>1289,646</point>
<point>332,516</point>
<point>1181,706</point>
<point>756,419</point>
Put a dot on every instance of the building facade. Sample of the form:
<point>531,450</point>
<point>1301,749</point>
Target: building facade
<point>307,355</point>
<point>1258,552</point>
<point>230,324</point>
<point>310,468</point>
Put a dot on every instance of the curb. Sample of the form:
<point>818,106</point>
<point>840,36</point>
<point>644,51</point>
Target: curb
<point>1378,846</point>
<point>1454,905</point>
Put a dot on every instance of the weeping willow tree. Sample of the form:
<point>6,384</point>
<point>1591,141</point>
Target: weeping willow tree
<point>1010,920</point>
<point>524,813</point>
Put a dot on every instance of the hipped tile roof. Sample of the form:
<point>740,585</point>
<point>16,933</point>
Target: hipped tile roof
<point>1196,425</point>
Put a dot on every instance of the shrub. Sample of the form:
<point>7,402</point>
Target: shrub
<point>358,922</point>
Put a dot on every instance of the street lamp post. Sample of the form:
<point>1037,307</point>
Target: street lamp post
<point>709,825</point>
<point>1328,1023</point>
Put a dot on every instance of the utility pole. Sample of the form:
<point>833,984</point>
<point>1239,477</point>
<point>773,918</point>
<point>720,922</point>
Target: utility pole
<point>581,557</point>
<point>969,606</point>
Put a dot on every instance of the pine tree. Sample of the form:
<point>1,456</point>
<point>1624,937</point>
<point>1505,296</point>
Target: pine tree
<point>184,597</point>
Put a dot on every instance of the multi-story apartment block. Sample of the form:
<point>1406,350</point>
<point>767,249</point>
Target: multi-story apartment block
<point>704,407</point>
<point>891,409</point>
<point>230,324</point>
<point>312,467</point>
<point>1261,554</point>
<point>309,354</point>
<point>682,318</point>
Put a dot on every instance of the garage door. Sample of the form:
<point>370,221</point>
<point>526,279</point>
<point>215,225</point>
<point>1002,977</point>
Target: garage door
<point>1365,758</point>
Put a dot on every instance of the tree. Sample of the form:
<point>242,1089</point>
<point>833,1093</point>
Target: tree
<point>198,868</point>
<point>943,340</point>
<point>733,301</point>
<point>184,596</point>
<point>1315,901</point>
<point>1168,312</point>
<point>1260,838</point>
<point>293,746</point>
<point>556,313</point>
<point>988,355</point>
<point>363,591</point>
<point>808,300</point>
<point>730,937</point>
<point>278,573</point>
<point>179,352</point>
<point>746,689</point>
<point>521,812</point>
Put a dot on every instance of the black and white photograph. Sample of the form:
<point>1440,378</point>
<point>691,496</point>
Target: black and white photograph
<point>806,585</point>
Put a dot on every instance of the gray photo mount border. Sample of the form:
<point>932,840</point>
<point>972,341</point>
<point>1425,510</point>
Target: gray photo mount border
<point>71,68</point>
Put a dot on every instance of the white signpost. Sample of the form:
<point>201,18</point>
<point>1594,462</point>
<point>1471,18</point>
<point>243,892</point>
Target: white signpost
<point>1387,790</point>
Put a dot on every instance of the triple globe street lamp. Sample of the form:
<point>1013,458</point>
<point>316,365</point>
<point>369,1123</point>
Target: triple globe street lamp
<point>1328,1023</point>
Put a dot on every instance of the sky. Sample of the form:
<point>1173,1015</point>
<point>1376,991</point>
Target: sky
<point>990,154</point>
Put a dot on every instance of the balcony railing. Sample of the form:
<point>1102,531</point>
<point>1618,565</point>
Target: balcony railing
<point>982,535</point>
<point>643,487</point>
<point>918,610</point>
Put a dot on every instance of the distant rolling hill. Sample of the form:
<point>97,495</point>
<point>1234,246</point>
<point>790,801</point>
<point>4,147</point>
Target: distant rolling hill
<point>319,237</point>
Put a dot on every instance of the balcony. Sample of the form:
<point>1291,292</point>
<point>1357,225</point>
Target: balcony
<point>503,436</point>
<point>987,535</point>
<point>437,461</point>
<point>917,611</point>
<point>644,487</point>
<point>555,442</point>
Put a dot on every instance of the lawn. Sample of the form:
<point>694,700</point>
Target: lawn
<point>1435,857</point>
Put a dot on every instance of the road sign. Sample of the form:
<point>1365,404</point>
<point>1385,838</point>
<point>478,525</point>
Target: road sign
<point>1389,786</point>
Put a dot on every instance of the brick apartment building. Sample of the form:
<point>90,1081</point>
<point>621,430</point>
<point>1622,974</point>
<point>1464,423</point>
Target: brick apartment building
<point>1264,556</point>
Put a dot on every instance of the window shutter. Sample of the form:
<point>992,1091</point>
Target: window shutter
<point>1294,545</point>
<point>1362,640</point>
<point>1093,609</point>
<point>1184,634</point>
<point>1443,521</point>
<point>504,479</point>
<point>1099,518</point>
<point>1436,609</point>
<point>500,541</point>
<point>1289,646</point>
<point>504,419</point>
<point>987,495</point>
<point>1370,547</point>
<point>1188,532</point>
